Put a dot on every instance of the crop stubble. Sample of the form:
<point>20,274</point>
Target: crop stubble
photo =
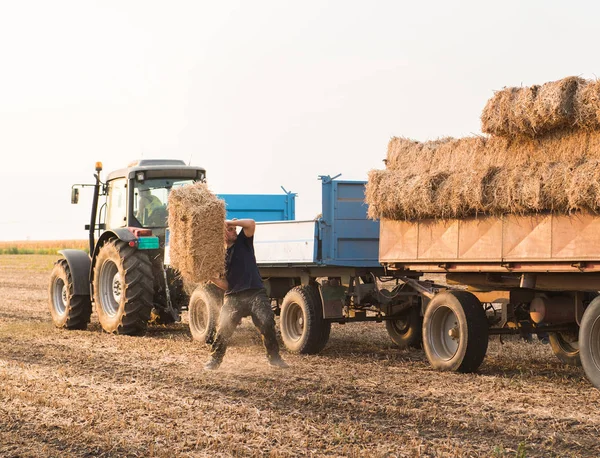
<point>87,393</point>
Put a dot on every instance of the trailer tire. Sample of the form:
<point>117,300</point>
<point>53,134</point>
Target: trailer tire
<point>303,329</point>
<point>204,310</point>
<point>123,288</point>
<point>589,342</point>
<point>67,310</point>
<point>455,332</point>
<point>565,347</point>
<point>407,330</point>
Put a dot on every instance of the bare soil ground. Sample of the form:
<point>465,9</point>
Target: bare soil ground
<point>91,394</point>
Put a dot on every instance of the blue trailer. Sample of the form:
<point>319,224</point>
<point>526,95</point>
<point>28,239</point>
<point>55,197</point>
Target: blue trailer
<point>327,270</point>
<point>261,207</point>
<point>323,271</point>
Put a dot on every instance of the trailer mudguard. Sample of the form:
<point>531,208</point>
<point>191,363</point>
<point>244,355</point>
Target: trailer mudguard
<point>79,264</point>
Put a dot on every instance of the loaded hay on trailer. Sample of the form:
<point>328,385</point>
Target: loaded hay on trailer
<point>197,225</point>
<point>534,111</point>
<point>515,171</point>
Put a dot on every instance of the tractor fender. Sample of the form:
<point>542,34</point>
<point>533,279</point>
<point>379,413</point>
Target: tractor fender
<point>120,233</point>
<point>79,264</point>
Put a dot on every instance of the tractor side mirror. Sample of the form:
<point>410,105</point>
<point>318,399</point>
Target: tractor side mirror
<point>74,195</point>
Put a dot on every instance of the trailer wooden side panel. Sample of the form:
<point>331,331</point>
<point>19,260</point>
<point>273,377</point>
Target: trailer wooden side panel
<point>546,242</point>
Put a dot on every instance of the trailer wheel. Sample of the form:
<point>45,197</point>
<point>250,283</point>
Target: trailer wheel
<point>565,347</point>
<point>406,331</point>
<point>589,342</point>
<point>123,288</point>
<point>67,310</point>
<point>301,321</point>
<point>455,332</point>
<point>204,309</point>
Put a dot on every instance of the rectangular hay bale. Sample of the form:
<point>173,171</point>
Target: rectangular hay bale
<point>471,176</point>
<point>197,225</point>
<point>534,111</point>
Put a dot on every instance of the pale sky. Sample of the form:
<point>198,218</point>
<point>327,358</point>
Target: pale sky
<point>260,93</point>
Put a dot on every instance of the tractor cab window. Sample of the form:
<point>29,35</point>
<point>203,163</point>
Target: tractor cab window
<point>116,200</point>
<point>150,199</point>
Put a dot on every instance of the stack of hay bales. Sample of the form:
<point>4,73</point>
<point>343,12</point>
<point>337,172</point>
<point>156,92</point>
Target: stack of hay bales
<point>543,155</point>
<point>197,225</point>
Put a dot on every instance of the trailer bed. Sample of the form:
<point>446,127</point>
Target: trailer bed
<point>537,243</point>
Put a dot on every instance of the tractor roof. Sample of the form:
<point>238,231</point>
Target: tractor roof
<point>158,168</point>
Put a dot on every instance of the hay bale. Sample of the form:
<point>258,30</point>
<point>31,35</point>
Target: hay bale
<point>533,111</point>
<point>471,176</point>
<point>197,225</point>
<point>507,113</point>
<point>587,105</point>
<point>554,105</point>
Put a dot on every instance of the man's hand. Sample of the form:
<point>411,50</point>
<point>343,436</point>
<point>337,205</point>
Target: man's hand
<point>220,283</point>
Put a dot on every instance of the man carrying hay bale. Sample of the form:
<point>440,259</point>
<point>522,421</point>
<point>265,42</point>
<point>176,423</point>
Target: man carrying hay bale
<point>245,295</point>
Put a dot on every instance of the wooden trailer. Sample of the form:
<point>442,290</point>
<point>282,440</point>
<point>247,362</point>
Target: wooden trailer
<point>544,271</point>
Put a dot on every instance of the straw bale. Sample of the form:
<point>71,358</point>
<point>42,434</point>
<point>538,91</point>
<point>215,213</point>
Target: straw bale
<point>587,106</point>
<point>536,110</point>
<point>197,224</point>
<point>471,176</point>
<point>553,106</point>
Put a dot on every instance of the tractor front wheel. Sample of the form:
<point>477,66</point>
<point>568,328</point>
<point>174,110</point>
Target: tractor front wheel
<point>68,311</point>
<point>123,288</point>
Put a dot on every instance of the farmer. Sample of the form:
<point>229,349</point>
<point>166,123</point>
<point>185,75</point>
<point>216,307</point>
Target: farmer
<point>245,295</point>
<point>150,209</point>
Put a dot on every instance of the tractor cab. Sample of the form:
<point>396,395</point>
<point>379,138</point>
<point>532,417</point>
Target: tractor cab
<point>137,196</point>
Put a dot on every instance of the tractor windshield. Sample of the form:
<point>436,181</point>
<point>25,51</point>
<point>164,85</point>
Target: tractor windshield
<point>150,199</point>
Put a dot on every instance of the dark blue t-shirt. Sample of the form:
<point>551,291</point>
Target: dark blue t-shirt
<point>241,270</point>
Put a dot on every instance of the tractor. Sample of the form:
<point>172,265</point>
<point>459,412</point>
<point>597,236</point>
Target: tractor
<point>124,276</point>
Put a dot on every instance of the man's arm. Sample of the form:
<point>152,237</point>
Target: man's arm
<point>247,225</point>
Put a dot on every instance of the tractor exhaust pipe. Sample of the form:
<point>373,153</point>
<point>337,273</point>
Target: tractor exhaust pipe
<point>95,207</point>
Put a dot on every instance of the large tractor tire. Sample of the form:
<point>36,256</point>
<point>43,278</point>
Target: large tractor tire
<point>565,347</point>
<point>68,311</point>
<point>406,330</point>
<point>204,310</point>
<point>303,329</point>
<point>123,288</point>
<point>455,332</point>
<point>589,342</point>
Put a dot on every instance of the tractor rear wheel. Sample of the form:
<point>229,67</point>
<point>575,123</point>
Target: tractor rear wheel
<point>204,309</point>
<point>123,288</point>
<point>67,310</point>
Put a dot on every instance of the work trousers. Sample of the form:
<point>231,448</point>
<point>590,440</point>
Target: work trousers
<point>254,303</point>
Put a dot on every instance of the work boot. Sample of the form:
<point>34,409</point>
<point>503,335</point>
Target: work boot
<point>212,364</point>
<point>278,362</point>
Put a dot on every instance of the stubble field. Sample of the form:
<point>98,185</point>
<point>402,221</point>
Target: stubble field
<point>88,393</point>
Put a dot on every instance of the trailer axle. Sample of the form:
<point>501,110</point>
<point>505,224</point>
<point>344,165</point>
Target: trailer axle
<point>532,330</point>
